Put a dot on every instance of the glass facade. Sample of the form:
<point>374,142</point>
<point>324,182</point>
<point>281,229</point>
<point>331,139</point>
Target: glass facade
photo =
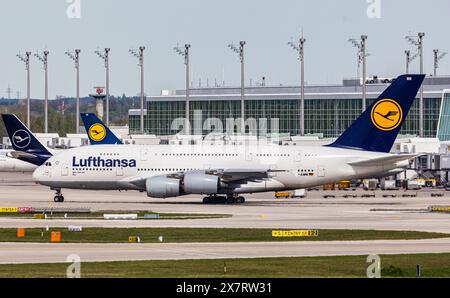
<point>444,121</point>
<point>328,117</point>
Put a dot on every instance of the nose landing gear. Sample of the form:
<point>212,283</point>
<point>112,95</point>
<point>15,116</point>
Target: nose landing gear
<point>59,198</point>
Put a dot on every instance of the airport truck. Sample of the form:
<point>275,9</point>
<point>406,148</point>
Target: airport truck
<point>299,193</point>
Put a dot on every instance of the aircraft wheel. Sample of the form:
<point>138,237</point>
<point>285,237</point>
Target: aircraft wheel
<point>206,200</point>
<point>240,200</point>
<point>231,200</point>
<point>58,199</point>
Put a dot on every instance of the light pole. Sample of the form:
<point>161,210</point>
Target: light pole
<point>240,51</point>
<point>140,55</point>
<point>438,57</point>
<point>185,54</point>
<point>408,57</point>
<point>26,60</point>
<point>362,54</point>
<point>105,57</point>
<point>301,56</point>
<point>76,59</point>
<point>44,60</point>
<point>419,44</point>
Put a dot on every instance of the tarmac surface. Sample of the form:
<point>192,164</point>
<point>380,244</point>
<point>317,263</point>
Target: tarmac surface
<point>260,211</point>
<point>57,253</point>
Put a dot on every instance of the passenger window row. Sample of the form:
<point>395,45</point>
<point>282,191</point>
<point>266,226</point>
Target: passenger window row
<point>164,170</point>
<point>199,154</point>
<point>93,169</point>
<point>274,155</point>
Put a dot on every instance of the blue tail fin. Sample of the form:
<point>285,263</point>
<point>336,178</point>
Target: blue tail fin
<point>97,131</point>
<point>23,140</point>
<point>377,128</point>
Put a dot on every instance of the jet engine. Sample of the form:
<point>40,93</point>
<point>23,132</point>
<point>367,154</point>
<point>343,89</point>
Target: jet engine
<point>200,183</point>
<point>190,183</point>
<point>163,187</point>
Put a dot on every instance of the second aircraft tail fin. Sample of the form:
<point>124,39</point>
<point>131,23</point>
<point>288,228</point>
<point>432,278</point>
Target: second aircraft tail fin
<point>97,131</point>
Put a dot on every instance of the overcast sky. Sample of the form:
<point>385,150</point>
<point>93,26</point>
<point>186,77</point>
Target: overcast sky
<point>209,25</point>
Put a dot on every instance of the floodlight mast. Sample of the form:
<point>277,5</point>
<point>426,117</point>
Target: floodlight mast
<point>360,44</point>
<point>408,57</point>
<point>418,42</point>
<point>76,59</point>
<point>301,56</point>
<point>105,57</point>
<point>363,54</point>
<point>44,59</point>
<point>185,53</point>
<point>438,57</point>
<point>26,60</point>
<point>240,51</point>
<point>140,55</point>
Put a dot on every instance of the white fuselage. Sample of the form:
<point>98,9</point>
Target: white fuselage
<point>109,167</point>
<point>10,164</point>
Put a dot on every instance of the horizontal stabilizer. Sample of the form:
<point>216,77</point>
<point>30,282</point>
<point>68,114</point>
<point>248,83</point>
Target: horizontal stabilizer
<point>379,161</point>
<point>21,154</point>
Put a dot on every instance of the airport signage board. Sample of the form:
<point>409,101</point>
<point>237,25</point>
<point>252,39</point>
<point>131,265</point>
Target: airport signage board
<point>296,233</point>
<point>16,210</point>
<point>440,208</point>
<point>9,210</point>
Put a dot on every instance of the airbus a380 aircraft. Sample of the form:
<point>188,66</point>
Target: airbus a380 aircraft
<point>231,170</point>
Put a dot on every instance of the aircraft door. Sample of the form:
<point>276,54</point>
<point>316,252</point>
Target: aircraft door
<point>248,156</point>
<point>119,171</point>
<point>144,154</point>
<point>297,156</point>
<point>321,171</point>
<point>65,170</point>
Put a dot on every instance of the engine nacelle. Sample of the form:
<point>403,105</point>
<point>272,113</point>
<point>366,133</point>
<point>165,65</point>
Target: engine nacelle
<point>162,187</point>
<point>200,183</point>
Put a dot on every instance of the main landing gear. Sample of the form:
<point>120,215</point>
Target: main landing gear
<point>59,198</point>
<point>229,199</point>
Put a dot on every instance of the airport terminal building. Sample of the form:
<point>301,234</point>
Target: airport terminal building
<point>329,109</point>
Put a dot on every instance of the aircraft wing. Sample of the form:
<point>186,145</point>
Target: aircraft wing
<point>227,176</point>
<point>390,159</point>
<point>235,175</point>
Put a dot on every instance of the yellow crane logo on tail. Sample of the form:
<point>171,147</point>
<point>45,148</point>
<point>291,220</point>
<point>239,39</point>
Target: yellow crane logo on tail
<point>386,114</point>
<point>97,132</point>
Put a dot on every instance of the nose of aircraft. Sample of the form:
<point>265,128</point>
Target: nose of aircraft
<point>37,174</point>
